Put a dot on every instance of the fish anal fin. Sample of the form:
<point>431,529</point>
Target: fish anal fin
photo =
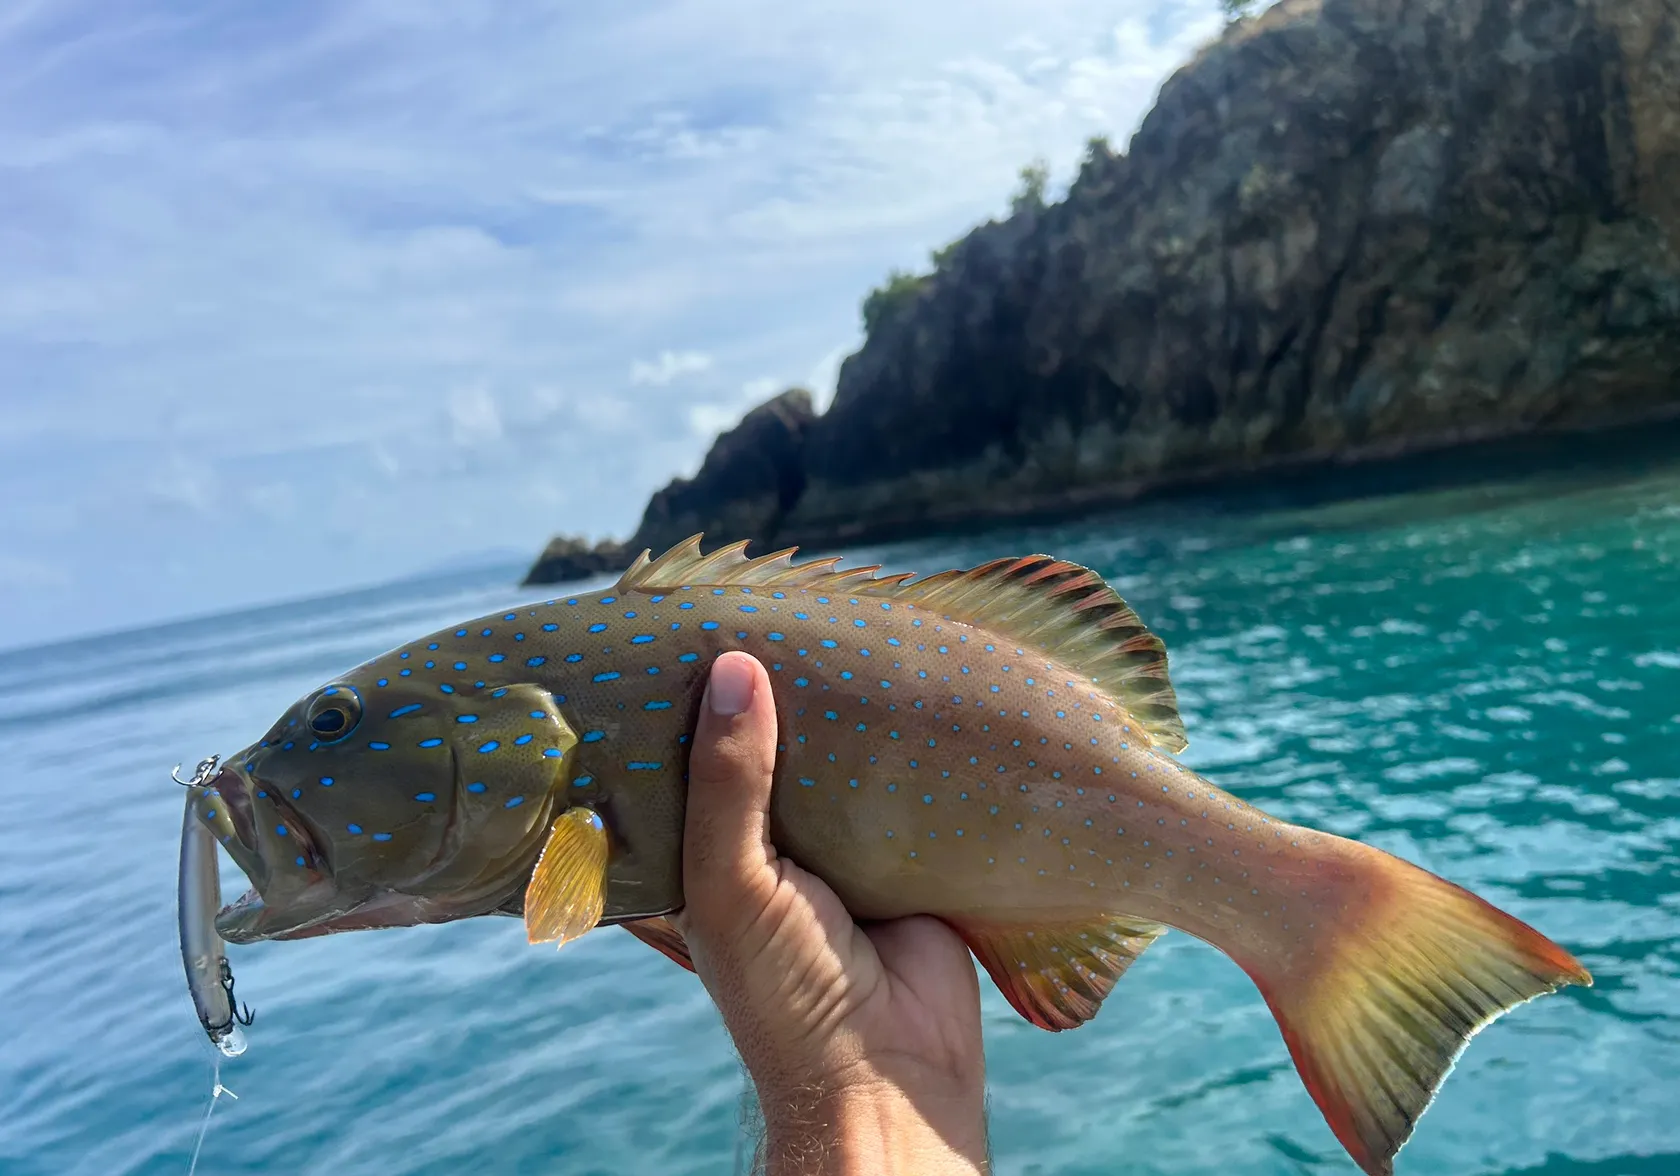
<point>1056,977</point>
<point>1386,1004</point>
<point>567,890</point>
<point>659,934</point>
<point>1061,609</point>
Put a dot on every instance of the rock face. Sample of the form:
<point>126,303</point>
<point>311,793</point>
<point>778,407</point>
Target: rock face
<point>751,477</point>
<point>1349,228</point>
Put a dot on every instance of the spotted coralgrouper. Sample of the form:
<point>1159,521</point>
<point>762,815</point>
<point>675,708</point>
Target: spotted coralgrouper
<point>993,747</point>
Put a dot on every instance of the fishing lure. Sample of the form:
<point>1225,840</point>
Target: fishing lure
<point>199,897</point>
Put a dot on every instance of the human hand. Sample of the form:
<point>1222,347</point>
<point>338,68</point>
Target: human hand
<point>864,1043</point>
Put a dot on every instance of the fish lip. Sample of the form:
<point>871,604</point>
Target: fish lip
<point>234,788</point>
<point>250,919</point>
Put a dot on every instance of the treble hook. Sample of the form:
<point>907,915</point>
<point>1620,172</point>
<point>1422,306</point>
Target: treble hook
<point>206,767</point>
<point>240,1012</point>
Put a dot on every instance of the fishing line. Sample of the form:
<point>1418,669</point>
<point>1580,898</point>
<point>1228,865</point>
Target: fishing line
<point>216,1092</point>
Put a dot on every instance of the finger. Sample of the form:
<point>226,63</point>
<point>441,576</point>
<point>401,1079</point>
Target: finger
<point>727,857</point>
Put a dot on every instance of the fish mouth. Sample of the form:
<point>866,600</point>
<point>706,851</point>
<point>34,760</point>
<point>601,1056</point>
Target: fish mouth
<point>292,884</point>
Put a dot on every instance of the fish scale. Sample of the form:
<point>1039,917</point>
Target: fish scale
<point>993,747</point>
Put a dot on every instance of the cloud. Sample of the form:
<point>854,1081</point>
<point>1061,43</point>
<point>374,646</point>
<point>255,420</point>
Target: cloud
<point>473,417</point>
<point>402,256</point>
<point>669,366</point>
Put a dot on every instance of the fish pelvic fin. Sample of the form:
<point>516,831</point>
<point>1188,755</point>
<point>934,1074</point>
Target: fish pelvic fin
<point>568,888</point>
<point>1392,994</point>
<point>1063,610</point>
<point>659,934</point>
<point>1057,976</point>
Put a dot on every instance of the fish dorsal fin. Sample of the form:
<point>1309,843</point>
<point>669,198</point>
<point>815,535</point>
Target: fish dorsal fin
<point>684,566</point>
<point>1054,976</point>
<point>1061,609</point>
<point>1069,612</point>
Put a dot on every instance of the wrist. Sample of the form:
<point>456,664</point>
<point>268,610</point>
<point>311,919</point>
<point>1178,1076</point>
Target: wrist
<point>872,1126</point>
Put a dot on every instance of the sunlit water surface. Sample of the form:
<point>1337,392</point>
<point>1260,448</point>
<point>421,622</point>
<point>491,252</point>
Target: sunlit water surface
<point>1485,681</point>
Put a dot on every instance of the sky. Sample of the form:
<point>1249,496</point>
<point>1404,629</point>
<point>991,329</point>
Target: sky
<point>296,297</point>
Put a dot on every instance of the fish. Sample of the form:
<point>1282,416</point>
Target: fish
<point>996,747</point>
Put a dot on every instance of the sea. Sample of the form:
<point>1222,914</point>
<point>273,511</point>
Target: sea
<point>1474,664</point>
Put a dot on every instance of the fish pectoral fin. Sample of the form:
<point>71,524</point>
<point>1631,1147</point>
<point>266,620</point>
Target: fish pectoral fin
<point>1057,976</point>
<point>659,934</point>
<point>567,891</point>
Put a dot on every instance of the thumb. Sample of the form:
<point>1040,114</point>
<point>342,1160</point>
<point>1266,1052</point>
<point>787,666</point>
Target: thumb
<point>728,870</point>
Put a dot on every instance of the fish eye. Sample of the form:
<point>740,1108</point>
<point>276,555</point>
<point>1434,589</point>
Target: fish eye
<point>334,713</point>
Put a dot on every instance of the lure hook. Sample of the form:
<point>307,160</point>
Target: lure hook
<point>242,1013</point>
<point>206,768</point>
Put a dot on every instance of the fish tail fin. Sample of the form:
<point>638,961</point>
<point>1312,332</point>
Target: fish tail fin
<point>1393,989</point>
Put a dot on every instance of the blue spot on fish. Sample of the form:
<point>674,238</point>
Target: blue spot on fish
<point>749,608</point>
<point>535,661</point>
<point>598,627</point>
<point>657,704</point>
<point>593,736</point>
<point>709,625</point>
<point>641,639</point>
<point>605,676</point>
<point>688,657</point>
<point>475,786</point>
<point>522,740</point>
<point>405,710</point>
<point>425,797</point>
<point>354,828</point>
<point>644,765</point>
<point>434,742</point>
<point>486,748</point>
<point>466,718</point>
<point>379,745</point>
<point>382,837</point>
<point>514,802</point>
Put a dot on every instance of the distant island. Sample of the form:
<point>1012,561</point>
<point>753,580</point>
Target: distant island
<point>1348,230</point>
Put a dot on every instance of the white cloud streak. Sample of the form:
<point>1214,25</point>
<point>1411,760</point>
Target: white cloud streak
<point>670,365</point>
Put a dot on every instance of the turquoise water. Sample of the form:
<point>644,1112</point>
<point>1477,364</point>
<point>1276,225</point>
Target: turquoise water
<point>1486,681</point>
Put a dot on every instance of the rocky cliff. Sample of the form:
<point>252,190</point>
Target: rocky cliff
<point>1348,228</point>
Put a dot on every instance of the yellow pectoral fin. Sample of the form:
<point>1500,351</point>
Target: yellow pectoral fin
<point>567,890</point>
